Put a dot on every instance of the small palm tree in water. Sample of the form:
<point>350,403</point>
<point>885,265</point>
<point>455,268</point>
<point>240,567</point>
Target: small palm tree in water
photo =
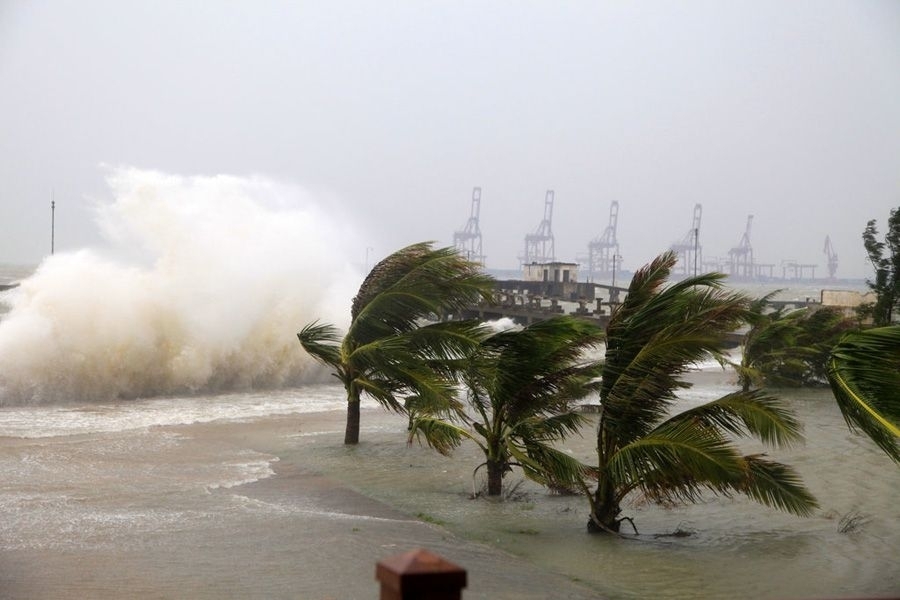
<point>788,348</point>
<point>522,385</point>
<point>389,350</point>
<point>864,373</point>
<point>654,338</point>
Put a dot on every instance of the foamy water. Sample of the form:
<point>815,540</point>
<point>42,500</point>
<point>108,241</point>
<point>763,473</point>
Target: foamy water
<point>67,420</point>
<point>202,287</point>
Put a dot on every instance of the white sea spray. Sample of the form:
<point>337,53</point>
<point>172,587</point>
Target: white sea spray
<point>202,288</point>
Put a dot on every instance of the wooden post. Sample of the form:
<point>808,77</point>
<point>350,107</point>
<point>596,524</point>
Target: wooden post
<point>419,575</point>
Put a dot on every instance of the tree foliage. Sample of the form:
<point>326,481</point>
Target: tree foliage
<point>864,373</point>
<point>653,339</point>
<point>885,259</point>
<point>787,348</point>
<point>394,347</point>
<point>521,386</point>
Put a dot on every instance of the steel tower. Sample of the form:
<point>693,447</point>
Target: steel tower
<point>467,241</point>
<point>539,246</point>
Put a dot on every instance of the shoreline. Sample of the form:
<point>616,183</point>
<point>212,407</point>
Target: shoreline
<point>377,529</point>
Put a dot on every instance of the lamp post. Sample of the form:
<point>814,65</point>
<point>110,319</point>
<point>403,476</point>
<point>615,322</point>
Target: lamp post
<point>614,293</point>
<point>52,223</point>
<point>696,248</point>
<point>614,257</point>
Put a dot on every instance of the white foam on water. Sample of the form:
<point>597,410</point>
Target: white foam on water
<point>52,421</point>
<point>244,472</point>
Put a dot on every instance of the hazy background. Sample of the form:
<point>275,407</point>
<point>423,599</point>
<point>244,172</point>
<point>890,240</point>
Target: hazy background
<point>391,112</point>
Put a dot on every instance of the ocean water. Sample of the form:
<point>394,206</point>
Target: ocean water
<point>162,435</point>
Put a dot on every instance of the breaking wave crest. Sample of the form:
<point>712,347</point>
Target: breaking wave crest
<point>205,283</point>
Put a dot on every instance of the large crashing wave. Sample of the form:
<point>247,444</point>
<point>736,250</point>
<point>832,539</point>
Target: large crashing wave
<point>206,284</point>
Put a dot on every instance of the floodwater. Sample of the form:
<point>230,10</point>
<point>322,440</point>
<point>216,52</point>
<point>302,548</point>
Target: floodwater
<point>254,495</point>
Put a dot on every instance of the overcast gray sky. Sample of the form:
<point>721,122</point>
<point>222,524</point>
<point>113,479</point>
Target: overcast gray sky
<point>394,111</point>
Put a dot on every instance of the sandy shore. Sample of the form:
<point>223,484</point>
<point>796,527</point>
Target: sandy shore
<point>360,531</point>
<point>300,533</point>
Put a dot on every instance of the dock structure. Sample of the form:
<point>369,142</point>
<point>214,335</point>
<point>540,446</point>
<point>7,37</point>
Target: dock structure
<point>526,302</point>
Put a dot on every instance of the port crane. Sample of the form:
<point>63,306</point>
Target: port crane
<point>467,241</point>
<point>832,257</point>
<point>741,256</point>
<point>603,250</point>
<point>539,246</point>
<point>688,249</point>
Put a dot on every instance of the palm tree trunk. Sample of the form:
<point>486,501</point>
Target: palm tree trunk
<point>606,510</point>
<point>351,434</point>
<point>495,470</point>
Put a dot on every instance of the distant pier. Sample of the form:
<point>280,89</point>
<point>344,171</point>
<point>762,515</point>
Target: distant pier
<point>527,302</point>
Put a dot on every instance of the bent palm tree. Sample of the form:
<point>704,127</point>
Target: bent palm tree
<point>788,348</point>
<point>768,342</point>
<point>864,373</point>
<point>654,337</point>
<point>521,388</point>
<point>387,352</point>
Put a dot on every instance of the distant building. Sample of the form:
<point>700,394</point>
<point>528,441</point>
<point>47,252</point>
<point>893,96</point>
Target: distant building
<point>551,272</point>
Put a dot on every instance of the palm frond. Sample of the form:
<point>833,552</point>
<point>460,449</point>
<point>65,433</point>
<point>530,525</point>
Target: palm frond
<point>748,413</point>
<point>417,282</point>
<point>446,340</point>
<point>438,434</point>
<point>543,365</point>
<point>864,373</point>
<point>549,428</point>
<point>322,342</point>
<point>446,406</point>
<point>676,462</point>
<point>777,485</point>
<point>384,390</point>
<point>551,467</point>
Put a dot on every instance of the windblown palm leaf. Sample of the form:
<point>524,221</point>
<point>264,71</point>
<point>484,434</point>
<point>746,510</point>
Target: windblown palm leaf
<point>752,413</point>
<point>389,350</point>
<point>777,485</point>
<point>864,373</point>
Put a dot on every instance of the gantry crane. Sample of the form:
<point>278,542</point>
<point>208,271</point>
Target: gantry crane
<point>467,241</point>
<point>688,249</point>
<point>602,251</point>
<point>539,246</point>
<point>832,258</point>
<point>741,256</point>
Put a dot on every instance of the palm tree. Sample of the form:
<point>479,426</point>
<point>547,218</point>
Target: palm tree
<point>653,338</point>
<point>864,373</point>
<point>772,335</point>
<point>388,352</point>
<point>788,348</point>
<point>522,384</point>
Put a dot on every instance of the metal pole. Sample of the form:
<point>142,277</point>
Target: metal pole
<point>696,246</point>
<point>52,223</point>
<point>614,271</point>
